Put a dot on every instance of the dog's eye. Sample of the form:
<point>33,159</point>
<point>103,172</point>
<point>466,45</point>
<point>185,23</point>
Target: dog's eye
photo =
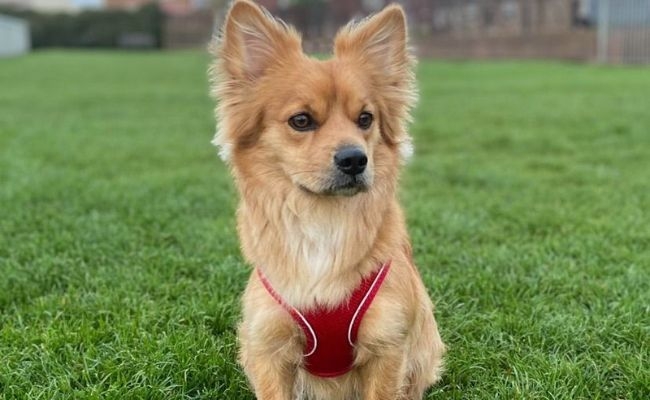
<point>365,120</point>
<point>302,122</point>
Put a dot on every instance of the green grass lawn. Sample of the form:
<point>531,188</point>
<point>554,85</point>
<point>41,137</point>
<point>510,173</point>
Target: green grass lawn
<point>528,202</point>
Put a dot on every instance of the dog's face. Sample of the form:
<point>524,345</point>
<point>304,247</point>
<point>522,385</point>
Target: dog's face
<point>319,124</point>
<point>324,128</point>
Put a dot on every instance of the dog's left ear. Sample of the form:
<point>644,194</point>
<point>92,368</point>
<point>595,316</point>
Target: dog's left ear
<point>379,45</point>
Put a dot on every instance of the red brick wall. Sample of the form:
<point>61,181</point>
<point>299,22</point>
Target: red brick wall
<point>578,45</point>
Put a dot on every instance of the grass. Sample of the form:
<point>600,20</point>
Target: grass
<point>528,205</point>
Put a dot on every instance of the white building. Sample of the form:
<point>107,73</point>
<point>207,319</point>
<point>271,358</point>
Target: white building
<point>43,5</point>
<point>14,36</point>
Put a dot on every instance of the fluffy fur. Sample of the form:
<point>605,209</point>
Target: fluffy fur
<point>313,239</point>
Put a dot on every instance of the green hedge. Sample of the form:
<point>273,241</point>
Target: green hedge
<point>95,28</point>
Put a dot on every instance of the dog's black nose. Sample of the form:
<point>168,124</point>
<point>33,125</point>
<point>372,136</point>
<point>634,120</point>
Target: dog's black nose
<point>351,160</point>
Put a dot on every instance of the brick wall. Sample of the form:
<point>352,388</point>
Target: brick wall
<point>575,45</point>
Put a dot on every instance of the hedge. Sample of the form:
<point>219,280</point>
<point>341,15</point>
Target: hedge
<point>140,28</point>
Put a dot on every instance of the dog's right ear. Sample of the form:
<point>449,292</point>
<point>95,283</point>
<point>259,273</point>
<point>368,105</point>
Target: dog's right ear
<point>252,41</point>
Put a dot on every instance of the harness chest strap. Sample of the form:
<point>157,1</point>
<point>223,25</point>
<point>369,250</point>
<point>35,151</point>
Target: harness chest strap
<point>331,333</point>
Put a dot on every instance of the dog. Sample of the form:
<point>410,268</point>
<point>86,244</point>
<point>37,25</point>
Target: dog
<point>334,307</point>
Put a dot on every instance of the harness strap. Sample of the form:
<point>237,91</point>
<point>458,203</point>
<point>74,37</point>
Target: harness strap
<point>369,295</point>
<point>312,340</point>
<point>337,327</point>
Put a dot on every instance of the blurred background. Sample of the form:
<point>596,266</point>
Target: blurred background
<point>613,31</point>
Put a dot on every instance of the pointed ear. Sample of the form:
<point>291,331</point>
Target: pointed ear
<point>379,44</point>
<point>379,40</point>
<point>252,41</point>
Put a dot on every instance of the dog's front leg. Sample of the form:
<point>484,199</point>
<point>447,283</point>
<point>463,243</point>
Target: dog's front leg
<point>383,377</point>
<point>269,354</point>
<point>270,373</point>
<point>270,381</point>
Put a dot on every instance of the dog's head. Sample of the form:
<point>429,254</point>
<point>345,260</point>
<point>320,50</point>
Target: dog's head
<point>333,127</point>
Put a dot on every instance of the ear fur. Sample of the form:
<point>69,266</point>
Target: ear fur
<point>251,43</point>
<point>252,40</point>
<point>379,45</point>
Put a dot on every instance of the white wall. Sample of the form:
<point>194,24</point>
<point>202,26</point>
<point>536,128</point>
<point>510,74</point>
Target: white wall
<point>14,36</point>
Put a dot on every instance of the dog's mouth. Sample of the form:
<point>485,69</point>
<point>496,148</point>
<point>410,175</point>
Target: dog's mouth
<point>341,185</point>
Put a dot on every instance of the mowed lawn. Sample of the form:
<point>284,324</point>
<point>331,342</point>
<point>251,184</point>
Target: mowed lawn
<point>528,202</point>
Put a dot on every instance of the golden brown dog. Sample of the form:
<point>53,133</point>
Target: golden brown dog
<point>315,148</point>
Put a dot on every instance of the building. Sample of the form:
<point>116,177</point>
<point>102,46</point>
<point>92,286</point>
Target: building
<point>46,6</point>
<point>14,36</point>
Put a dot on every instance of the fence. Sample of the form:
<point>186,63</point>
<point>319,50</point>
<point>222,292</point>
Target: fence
<point>624,31</point>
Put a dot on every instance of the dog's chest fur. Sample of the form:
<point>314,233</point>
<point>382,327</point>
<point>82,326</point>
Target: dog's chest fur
<point>319,246</point>
<point>310,251</point>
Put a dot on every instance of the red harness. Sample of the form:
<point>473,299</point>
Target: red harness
<point>331,333</point>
